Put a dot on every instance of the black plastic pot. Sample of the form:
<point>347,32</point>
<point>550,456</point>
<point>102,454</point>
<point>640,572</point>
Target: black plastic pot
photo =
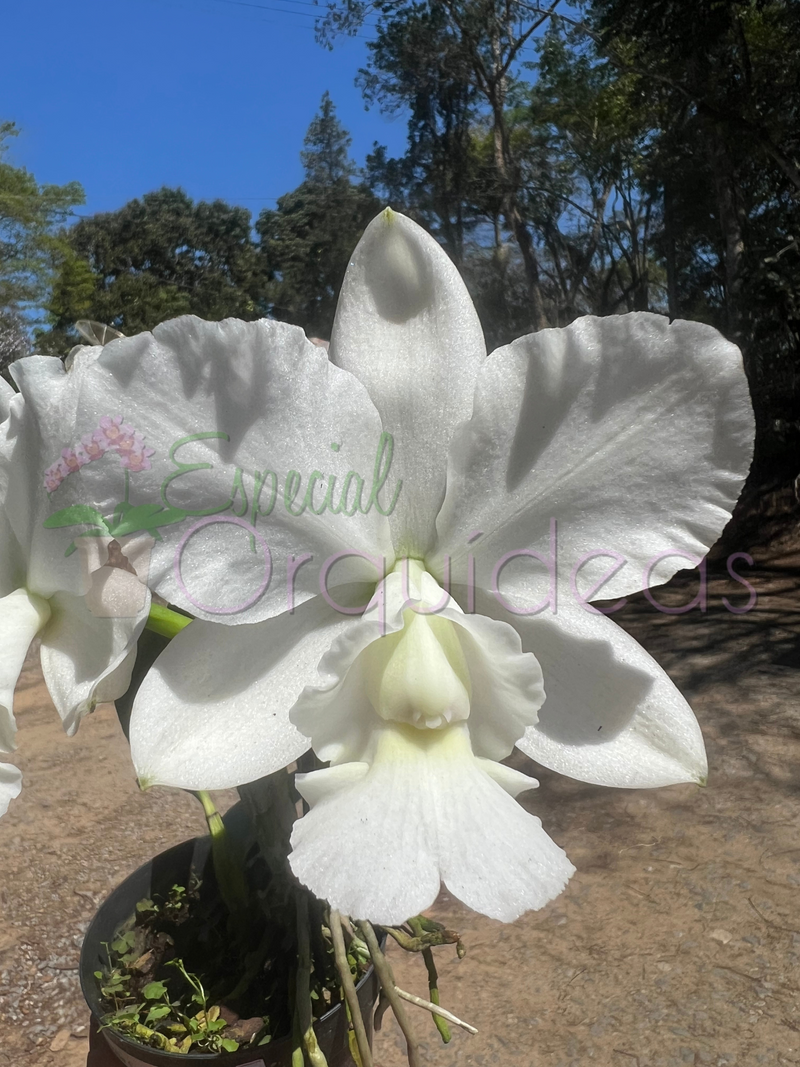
<point>155,879</point>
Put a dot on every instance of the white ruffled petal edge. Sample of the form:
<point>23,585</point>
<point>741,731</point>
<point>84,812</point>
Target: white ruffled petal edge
<point>382,835</point>
<point>507,688</point>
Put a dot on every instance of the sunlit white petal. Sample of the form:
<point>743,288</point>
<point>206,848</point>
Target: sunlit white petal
<point>10,785</point>
<point>632,433</point>
<point>87,660</point>
<point>22,615</point>
<point>378,842</point>
<point>214,710</point>
<point>612,715</point>
<point>406,327</point>
<point>248,423</point>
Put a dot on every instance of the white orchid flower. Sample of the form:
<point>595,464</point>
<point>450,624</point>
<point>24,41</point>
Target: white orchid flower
<point>622,435</point>
<point>87,614</point>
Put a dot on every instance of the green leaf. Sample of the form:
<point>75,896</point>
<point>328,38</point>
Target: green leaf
<point>158,1012</point>
<point>154,991</point>
<point>74,516</point>
<point>229,1044</point>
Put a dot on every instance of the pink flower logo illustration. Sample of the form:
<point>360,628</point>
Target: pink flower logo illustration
<point>112,435</point>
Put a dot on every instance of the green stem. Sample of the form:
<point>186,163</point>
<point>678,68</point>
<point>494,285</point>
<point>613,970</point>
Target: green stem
<point>433,989</point>
<point>349,991</point>
<point>165,621</point>
<point>433,980</point>
<point>228,869</point>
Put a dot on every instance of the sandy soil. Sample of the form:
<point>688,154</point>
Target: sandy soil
<point>677,942</point>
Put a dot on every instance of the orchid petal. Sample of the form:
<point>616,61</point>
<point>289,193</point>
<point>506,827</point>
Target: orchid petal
<point>406,327</point>
<point>212,712</point>
<point>12,564</point>
<point>86,659</point>
<point>7,394</point>
<point>249,422</point>
<point>41,423</point>
<point>22,615</point>
<point>377,844</point>
<point>612,715</point>
<point>10,785</point>
<point>634,434</point>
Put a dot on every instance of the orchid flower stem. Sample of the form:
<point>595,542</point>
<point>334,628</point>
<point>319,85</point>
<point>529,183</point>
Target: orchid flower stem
<point>349,989</point>
<point>229,872</point>
<point>165,621</point>
<point>302,1003</point>
<point>386,978</point>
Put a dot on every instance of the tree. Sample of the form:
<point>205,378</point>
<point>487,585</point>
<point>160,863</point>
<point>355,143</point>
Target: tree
<point>30,215</point>
<point>419,64</point>
<point>490,36</point>
<point>725,77</point>
<point>325,158</point>
<point>307,242</point>
<point>155,258</point>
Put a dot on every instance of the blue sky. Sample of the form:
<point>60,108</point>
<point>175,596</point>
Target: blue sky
<point>125,96</point>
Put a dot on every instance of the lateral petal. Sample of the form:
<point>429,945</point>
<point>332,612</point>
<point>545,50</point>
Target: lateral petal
<point>10,785</point>
<point>230,435</point>
<point>22,615</point>
<point>87,659</point>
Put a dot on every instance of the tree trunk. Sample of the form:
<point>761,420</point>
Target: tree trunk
<point>670,243</point>
<point>514,219</point>
<point>731,221</point>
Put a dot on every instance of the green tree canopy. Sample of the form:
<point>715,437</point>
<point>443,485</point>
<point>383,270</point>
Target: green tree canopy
<point>30,215</point>
<point>157,257</point>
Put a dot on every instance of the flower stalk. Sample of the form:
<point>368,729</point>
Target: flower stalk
<point>386,978</point>
<point>349,990</point>
<point>166,622</point>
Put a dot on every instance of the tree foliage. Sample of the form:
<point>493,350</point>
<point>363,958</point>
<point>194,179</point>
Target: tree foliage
<point>30,215</point>
<point>157,257</point>
<point>307,241</point>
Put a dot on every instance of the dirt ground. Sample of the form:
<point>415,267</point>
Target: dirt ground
<point>677,942</point>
